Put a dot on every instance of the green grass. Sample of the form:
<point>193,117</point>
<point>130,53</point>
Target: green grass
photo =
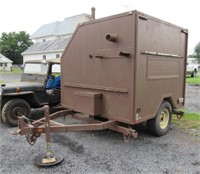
<point>56,74</point>
<point>189,121</point>
<point>14,71</point>
<point>193,80</point>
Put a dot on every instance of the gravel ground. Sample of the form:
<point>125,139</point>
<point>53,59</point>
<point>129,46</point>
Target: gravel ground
<point>105,152</point>
<point>192,95</point>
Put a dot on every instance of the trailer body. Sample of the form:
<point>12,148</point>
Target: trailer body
<point>123,67</point>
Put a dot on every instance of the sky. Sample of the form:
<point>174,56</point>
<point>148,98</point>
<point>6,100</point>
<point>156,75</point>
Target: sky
<point>29,15</point>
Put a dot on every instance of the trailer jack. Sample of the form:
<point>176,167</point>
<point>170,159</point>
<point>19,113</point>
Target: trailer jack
<point>48,159</point>
<point>46,125</point>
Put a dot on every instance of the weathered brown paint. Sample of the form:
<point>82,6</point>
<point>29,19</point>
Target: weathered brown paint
<point>134,61</point>
<point>121,68</point>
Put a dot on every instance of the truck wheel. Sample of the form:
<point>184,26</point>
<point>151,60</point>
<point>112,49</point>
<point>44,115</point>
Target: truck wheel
<point>13,109</point>
<point>160,125</point>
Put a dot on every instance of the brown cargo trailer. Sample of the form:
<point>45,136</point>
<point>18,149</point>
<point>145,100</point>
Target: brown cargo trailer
<point>125,68</point>
<point>120,71</point>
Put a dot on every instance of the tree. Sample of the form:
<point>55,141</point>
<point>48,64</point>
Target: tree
<point>13,44</point>
<point>191,56</point>
<point>197,52</point>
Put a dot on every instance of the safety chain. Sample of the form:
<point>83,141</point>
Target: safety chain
<point>31,137</point>
<point>179,116</point>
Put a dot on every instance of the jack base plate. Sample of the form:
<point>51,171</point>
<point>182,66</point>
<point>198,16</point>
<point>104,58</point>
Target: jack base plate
<point>42,161</point>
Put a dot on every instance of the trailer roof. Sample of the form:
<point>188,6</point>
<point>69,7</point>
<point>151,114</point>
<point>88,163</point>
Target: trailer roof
<point>141,14</point>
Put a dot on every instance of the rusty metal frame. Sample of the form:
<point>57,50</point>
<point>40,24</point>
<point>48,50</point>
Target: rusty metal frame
<point>48,125</point>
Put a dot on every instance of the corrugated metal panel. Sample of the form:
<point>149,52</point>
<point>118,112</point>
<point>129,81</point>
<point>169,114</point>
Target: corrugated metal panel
<point>65,27</point>
<point>58,44</point>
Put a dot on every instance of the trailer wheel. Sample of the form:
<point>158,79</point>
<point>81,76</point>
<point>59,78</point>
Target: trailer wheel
<point>160,125</point>
<point>13,109</point>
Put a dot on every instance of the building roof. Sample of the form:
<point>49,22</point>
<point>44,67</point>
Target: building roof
<point>4,59</point>
<point>47,46</point>
<point>65,27</point>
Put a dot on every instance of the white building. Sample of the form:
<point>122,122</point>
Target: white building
<point>51,39</point>
<point>5,63</point>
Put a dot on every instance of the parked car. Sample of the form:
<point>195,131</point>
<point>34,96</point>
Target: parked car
<point>17,99</point>
<point>192,67</point>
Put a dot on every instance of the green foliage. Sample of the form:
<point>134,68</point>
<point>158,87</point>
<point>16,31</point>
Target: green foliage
<point>193,80</point>
<point>192,116</point>
<point>189,121</point>
<point>192,56</point>
<point>13,44</point>
<point>197,52</point>
<point>13,71</point>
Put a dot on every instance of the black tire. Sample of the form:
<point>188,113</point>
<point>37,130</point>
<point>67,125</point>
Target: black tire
<point>14,108</point>
<point>160,125</point>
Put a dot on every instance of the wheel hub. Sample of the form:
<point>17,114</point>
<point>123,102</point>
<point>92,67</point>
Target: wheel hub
<point>164,118</point>
<point>16,112</point>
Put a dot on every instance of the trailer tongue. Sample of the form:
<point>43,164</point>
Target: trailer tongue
<point>47,125</point>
